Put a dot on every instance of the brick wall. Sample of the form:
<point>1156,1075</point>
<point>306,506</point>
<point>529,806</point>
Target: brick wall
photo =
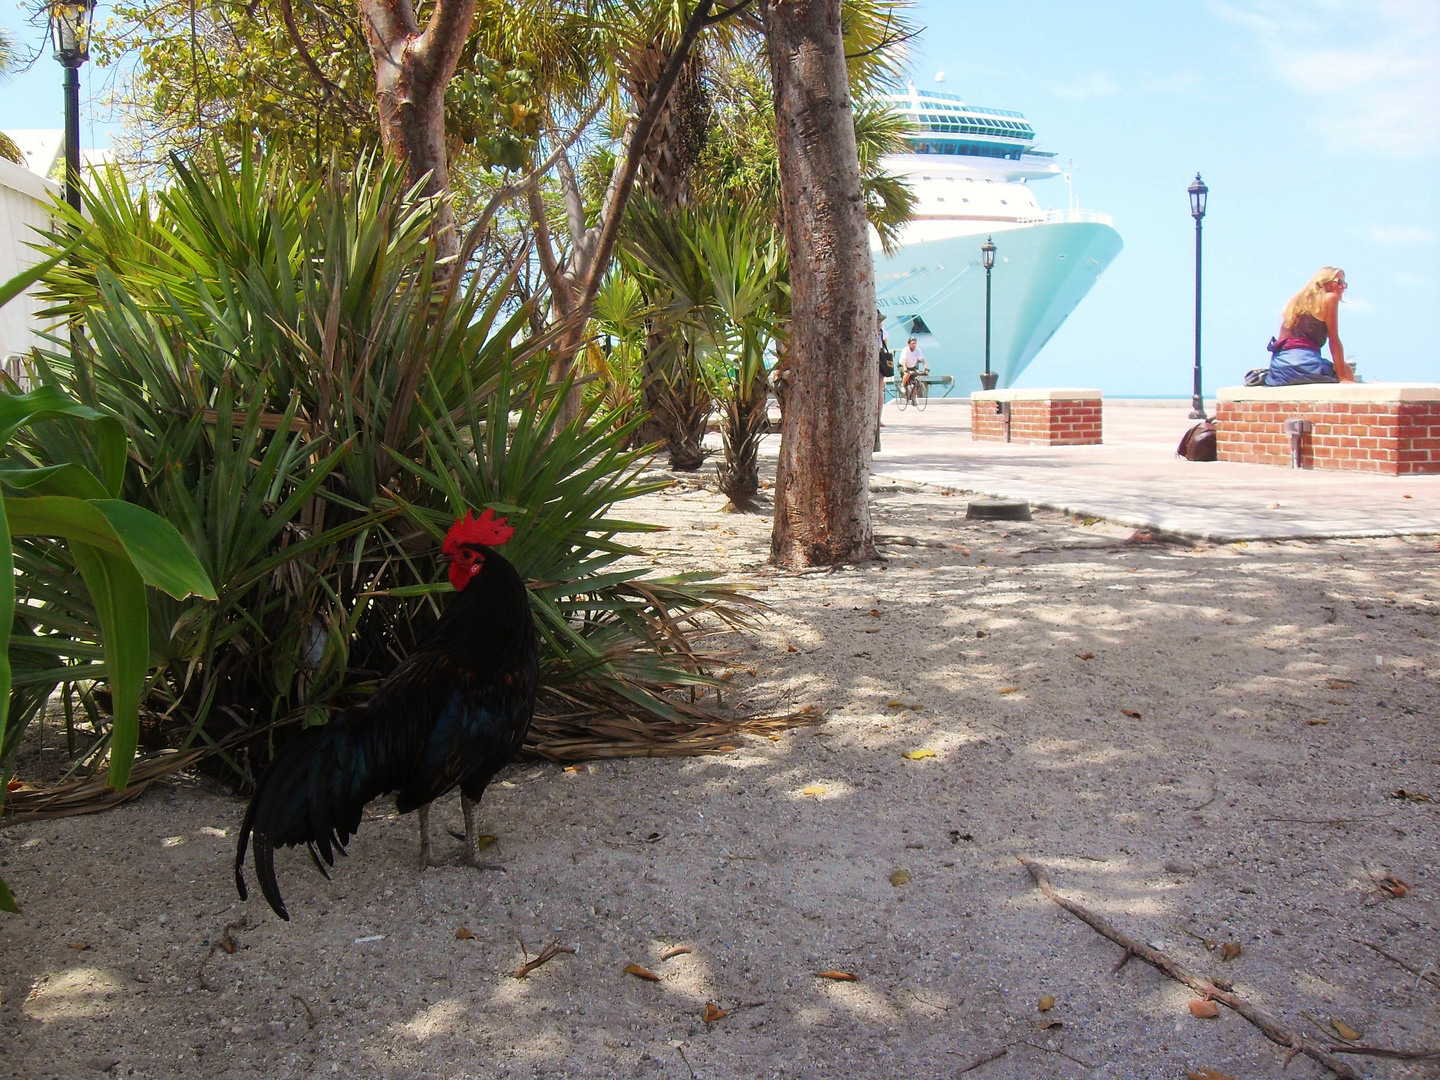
<point>1395,438</point>
<point>1073,422</point>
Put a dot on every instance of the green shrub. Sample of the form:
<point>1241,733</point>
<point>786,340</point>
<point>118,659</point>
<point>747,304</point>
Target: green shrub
<point>311,403</point>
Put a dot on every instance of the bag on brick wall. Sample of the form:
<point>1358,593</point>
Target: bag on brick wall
<point>1256,376</point>
<point>1198,444</point>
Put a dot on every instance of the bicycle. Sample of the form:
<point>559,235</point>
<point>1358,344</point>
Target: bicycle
<point>916,392</point>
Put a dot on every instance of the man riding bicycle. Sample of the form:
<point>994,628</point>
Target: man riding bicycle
<point>912,361</point>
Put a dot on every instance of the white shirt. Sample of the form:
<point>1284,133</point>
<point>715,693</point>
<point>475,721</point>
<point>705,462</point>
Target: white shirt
<point>912,357</point>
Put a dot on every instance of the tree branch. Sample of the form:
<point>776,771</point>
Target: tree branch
<point>1207,989</point>
<point>287,13</point>
<point>516,187</point>
<point>721,16</point>
<point>438,49</point>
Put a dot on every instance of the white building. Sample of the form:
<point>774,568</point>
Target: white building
<point>24,209</point>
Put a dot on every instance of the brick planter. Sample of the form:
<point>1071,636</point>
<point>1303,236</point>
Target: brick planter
<point>1389,428</point>
<point>1037,417</point>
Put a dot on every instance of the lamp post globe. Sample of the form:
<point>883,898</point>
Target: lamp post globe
<point>70,23</point>
<point>1198,193</point>
<point>987,259</point>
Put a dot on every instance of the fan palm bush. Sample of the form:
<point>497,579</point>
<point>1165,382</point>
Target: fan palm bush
<point>718,283</point>
<point>310,407</point>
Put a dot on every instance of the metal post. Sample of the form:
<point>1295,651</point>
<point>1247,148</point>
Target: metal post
<point>1197,403</point>
<point>989,378</point>
<point>72,136</point>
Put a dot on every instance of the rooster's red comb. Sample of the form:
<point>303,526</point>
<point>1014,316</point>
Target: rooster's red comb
<point>487,529</point>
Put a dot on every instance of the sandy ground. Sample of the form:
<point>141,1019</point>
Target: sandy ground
<point>1277,695</point>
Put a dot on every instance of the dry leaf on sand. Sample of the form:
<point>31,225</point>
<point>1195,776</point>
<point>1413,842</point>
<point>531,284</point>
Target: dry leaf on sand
<point>1131,713</point>
<point>641,973</point>
<point>1009,690</point>
<point>814,789</point>
<point>1045,1004</point>
<point>1230,950</point>
<point>1314,720</point>
<point>1204,1010</point>
<point>900,877</point>
<point>1393,886</point>
<point>547,954</point>
<point>678,950</point>
<point>574,768</point>
<point>464,934</point>
<point>1208,1074</point>
<point>837,976</point>
<point>1344,1030</point>
<point>713,1012</point>
<point>79,946</point>
<point>917,755</point>
<point>1410,796</point>
<point>1086,655</point>
<point>1045,1025</point>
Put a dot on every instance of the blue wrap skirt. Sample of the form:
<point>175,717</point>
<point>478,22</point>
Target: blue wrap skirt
<point>1295,367</point>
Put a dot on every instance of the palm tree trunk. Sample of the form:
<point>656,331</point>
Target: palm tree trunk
<point>822,513</point>
<point>743,426</point>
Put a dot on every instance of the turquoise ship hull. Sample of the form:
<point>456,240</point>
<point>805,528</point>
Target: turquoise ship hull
<point>935,291</point>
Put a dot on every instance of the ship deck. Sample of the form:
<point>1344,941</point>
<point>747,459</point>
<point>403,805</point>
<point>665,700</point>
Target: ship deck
<point>1134,478</point>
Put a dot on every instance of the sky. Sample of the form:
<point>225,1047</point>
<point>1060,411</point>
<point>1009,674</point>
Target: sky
<point>1315,124</point>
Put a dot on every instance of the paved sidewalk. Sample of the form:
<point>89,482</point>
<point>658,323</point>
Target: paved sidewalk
<point>1136,479</point>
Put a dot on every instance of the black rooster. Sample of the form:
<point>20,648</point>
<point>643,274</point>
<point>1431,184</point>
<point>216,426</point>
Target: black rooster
<point>454,712</point>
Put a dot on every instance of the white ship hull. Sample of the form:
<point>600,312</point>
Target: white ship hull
<point>971,173</point>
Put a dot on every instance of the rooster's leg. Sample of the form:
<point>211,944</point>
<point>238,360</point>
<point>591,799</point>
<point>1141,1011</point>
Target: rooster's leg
<point>472,837</point>
<point>424,814</point>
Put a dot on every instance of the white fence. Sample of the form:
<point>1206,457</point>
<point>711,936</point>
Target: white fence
<point>24,200</point>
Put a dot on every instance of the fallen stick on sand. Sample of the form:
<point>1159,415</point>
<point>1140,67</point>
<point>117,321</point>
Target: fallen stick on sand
<point>1207,989</point>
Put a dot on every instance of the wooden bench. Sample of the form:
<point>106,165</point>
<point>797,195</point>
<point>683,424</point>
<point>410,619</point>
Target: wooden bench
<point>1045,417</point>
<point>892,384</point>
<point>1389,428</point>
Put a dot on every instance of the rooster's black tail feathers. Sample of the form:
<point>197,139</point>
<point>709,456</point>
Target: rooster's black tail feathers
<point>312,794</point>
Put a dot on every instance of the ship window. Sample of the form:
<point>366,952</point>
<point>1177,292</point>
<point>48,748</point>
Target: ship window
<point>964,200</point>
<point>940,199</point>
<point>1004,202</point>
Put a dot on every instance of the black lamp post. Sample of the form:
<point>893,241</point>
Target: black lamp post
<point>1198,191</point>
<point>70,21</point>
<point>987,259</point>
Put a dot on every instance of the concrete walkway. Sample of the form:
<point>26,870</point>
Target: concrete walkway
<point>1136,479</point>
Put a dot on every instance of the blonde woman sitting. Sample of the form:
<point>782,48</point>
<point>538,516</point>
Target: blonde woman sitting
<point>1308,320</point>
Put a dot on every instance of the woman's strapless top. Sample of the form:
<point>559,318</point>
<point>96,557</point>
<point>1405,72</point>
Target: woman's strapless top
<point>1306,332</point>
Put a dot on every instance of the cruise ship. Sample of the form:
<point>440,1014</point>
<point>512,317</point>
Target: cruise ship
<point>971,169</point>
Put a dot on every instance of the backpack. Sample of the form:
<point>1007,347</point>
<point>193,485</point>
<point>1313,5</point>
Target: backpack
<point>887,363</point>
<point>1198,444</point>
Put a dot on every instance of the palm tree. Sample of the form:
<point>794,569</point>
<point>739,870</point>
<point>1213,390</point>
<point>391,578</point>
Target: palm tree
<point>8,149</point>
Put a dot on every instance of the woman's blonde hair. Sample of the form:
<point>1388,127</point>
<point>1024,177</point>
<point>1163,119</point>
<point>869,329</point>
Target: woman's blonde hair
<point>1308,301</point>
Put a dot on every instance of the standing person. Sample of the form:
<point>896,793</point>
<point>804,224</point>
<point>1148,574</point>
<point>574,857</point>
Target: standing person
<point>1307,321</point>
<point>913,362</point>
<point>887,361</point>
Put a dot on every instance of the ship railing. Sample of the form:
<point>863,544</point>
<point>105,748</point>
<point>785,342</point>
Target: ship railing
<point>1052,217</point>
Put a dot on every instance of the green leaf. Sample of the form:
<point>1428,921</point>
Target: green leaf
<point>23,280</point>
<point>7,620</point>
<point>42,403</point>
<point>149,542</point>
<point>7,901</point>
<point>119,596</point>
<point>158,551</point>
